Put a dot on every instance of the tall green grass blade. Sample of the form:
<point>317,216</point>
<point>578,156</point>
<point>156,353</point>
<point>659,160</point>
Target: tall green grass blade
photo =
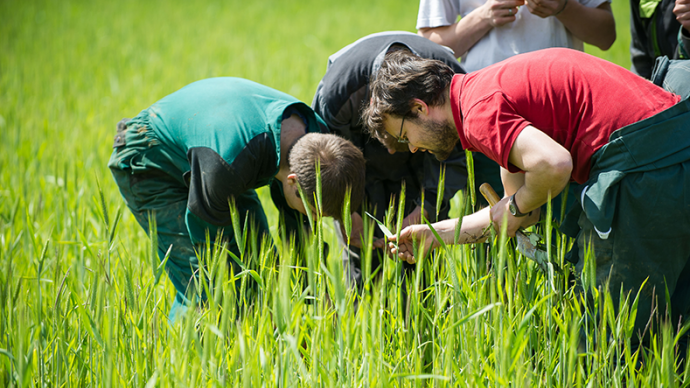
<point>436,235</point>
<point>440,189</point>
<point>306,206</point>
<point>235,216</point>
<point>381,225</point>
<point>470,178</point>
<point>473,315</point>
<point>347,215</point>
<point>401,211</point>
<point>318,194</point>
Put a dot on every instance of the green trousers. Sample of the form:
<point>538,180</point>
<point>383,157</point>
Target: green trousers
<point>151,192</point>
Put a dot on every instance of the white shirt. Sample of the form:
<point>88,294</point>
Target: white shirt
<point>527,33</point>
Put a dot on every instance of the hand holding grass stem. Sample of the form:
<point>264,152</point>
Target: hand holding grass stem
<point>473,229</point>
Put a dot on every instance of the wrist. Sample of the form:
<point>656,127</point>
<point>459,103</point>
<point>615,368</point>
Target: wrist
<point>565,2</point>
<point>515,209</point>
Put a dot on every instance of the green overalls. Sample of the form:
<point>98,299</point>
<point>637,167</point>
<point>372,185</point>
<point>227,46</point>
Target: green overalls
<point>634,213</point>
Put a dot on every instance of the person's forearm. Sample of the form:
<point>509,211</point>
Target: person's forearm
<point>595,26</point>
<point>460,36</point>
<point>541,185</point>
<point>547,165</point>
<point>511,182</point>
<point>472,229</point>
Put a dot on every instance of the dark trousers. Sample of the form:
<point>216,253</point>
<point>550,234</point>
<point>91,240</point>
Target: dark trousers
<point>156,194</point>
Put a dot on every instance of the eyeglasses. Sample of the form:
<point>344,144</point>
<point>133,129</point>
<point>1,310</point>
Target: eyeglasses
<point>400,138</point>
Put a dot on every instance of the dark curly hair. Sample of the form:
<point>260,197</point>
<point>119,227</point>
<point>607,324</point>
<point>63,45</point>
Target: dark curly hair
<point>404,76</point>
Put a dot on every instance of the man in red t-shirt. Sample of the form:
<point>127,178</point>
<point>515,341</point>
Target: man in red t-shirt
<point>547,118</point>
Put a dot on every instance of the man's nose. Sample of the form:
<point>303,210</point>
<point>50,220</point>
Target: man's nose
<point>413,149</point>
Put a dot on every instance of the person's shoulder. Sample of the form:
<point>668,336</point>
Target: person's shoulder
<point>220,84</point>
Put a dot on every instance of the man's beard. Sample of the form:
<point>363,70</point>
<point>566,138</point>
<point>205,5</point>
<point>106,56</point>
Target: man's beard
<point>441,138</point>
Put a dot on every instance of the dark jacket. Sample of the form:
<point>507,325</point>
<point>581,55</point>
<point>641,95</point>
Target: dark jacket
<point>655,36</point>
<point>339,99</point>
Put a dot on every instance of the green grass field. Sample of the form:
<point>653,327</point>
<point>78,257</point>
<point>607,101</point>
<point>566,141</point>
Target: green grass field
<point>80,300</point>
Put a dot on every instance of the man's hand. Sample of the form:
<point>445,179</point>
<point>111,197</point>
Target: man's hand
<point>357,230</point>
<point>415,217</point>
<point>682,12</point>
<point>545,8</point>
<point>500,12</point>
<point>501,210</point>
<point>420,233</point>
<point>472,230</point>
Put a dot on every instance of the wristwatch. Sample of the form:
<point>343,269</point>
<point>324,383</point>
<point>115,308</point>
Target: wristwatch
<point>513,207</point>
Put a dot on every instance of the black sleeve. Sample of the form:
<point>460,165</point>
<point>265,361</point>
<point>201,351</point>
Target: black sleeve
<point>213,181</point>
<point>344,121</point>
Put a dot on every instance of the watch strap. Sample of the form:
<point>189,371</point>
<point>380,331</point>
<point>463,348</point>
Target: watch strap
<point>515,210</point>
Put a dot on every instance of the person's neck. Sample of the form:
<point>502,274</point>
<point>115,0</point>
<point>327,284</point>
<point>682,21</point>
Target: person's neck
<point>291,130</point>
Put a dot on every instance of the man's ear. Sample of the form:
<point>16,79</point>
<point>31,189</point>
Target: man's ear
<point>292,179</point>
<point>420,107</point>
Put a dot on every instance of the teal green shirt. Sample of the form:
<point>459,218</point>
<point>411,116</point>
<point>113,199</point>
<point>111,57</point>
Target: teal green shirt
<point>220,137</point>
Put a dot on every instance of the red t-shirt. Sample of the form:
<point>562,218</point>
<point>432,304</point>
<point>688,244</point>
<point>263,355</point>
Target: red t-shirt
<point>575,98</point>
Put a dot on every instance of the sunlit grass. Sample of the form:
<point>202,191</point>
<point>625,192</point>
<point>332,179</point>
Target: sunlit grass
<point>83,301</point>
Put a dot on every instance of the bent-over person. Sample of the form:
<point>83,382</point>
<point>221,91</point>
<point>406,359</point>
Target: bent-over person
<point>341,95</point>
<point>548,118</point>
<point>186,157</point>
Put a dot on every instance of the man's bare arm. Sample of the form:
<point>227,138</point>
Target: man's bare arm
<point>548,168</point>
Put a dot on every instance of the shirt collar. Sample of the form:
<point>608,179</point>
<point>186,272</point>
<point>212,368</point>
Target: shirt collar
<point>456,86</point>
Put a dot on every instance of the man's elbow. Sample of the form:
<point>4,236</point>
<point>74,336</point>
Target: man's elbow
<point>562,169</point>
<point>425,32</point>
<point>607,39</point>
<point>439,35</point>
<point>606,34</point>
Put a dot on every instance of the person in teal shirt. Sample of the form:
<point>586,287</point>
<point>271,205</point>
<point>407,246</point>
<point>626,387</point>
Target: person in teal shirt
<point>188,156</point>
